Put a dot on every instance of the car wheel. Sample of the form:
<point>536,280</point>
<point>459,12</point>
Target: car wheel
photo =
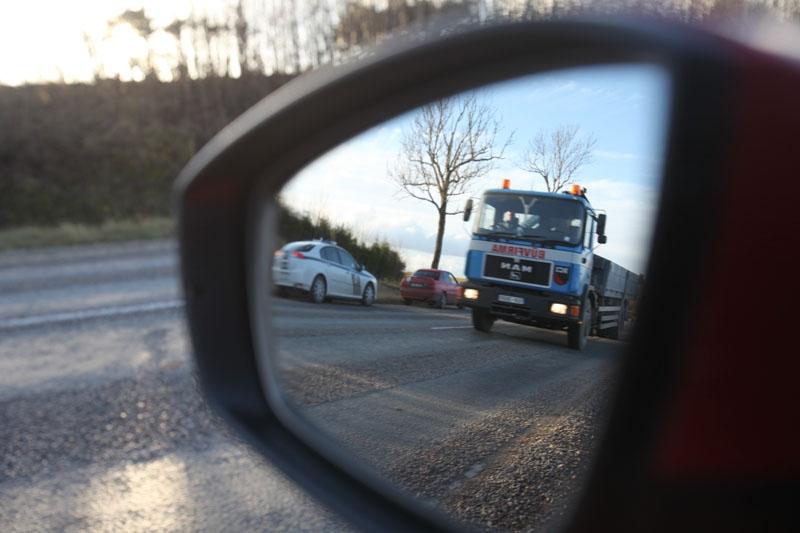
<point>368,298</point>
<point>318,290</point>
<point>407,301</point>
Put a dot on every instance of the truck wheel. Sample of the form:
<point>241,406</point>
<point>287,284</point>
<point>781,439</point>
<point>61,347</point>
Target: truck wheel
<point>482,320</point>
<point>407,301</point>
<point>578,334</point>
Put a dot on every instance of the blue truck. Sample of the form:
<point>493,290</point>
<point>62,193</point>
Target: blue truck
<point>531,261</point>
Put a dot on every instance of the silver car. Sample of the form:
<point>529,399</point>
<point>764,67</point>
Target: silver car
<point>324,271</point>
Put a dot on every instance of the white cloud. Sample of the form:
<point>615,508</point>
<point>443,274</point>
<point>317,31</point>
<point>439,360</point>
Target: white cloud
<point>547,91</point>
<point>631,210</point>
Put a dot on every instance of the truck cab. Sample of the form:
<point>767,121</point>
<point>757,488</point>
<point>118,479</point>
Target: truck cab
<point>530,260</point>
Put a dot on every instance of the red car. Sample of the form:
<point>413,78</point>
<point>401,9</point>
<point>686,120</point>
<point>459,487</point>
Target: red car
<point>437,287</point>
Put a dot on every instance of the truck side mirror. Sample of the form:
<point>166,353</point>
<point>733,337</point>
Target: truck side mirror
<point>601,226</point>
<point>468,210</point>
<point>602,239</point>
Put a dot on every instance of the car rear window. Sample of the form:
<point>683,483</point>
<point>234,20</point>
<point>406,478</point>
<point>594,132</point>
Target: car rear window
<point>426,274</point>
<point>297,247</point>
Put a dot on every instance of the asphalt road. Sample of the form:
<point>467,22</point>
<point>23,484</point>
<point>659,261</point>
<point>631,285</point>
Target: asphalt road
<point>496,429</point>
<point>101,425</point>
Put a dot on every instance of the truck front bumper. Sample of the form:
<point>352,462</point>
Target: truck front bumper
<point>531,307</point>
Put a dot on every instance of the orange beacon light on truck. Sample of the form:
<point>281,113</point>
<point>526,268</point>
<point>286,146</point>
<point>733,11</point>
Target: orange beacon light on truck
<point>506,183</point>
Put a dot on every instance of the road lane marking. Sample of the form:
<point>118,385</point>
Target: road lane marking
<point>451,327</point>
<point>84,314</point>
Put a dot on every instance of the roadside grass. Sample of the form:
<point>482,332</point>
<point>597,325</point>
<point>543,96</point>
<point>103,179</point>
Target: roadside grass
<point>389,292</point>
<point>68,233</point>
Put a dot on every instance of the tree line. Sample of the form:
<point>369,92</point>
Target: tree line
<point>89,153</point>
<point>245,37</point>
<point>110,149</point>
<point>240,37</point>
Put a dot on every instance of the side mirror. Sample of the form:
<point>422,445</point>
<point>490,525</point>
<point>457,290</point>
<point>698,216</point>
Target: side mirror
<point>664,423</point>
<point>601,224</point>
<point>468,210</point>
<point>602,239</point>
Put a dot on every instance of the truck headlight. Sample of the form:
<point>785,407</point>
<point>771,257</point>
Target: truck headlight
<point>471,294</point>
<point>559,309</point>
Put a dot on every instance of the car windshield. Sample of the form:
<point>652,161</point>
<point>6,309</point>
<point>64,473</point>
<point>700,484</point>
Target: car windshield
<point>539,218</point>
<point>426,274</point>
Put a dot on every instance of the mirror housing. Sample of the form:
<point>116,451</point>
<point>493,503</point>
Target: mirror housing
<point>602,239</point>
<point>601,224</point>
<point>468,210</point>
<point>257,154</point>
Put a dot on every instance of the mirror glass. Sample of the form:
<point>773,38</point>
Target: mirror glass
<point>470,362</point>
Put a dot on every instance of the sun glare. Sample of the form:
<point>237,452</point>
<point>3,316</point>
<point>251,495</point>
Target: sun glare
<point>126,52</point>
<point>49,38</point>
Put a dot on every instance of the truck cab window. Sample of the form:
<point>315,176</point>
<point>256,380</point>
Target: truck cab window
<point>547,218</point>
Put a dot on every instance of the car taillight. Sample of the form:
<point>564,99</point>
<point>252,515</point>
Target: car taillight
<point>561,275</point>
<point>298,255</point>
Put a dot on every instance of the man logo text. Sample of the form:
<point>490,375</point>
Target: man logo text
<point>515,267</point>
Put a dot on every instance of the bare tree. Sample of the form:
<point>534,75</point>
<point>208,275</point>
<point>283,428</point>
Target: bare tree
<point>450,144</point>
<point>557,155</point>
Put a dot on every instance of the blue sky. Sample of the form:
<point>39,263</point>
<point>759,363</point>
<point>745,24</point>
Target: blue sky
<point>624,107</point>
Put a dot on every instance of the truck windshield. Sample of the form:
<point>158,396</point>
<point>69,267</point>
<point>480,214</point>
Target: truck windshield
<point>532,217</point>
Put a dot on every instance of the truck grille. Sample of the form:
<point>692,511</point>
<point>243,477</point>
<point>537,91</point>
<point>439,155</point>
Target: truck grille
<point>516,269</point>
<point>506,309</point>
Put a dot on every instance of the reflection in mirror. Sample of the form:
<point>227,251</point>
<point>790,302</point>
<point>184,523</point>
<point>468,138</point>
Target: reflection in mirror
<point>453,288</point>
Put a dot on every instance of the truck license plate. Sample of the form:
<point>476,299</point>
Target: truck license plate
<point>511,299</point>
